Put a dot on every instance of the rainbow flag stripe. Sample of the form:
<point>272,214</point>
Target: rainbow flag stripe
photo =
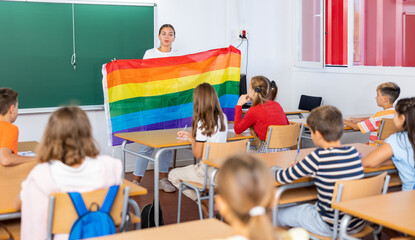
<point>152,94</point>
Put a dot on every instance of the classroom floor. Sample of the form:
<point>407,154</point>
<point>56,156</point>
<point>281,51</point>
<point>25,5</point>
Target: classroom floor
<point>189,208</point>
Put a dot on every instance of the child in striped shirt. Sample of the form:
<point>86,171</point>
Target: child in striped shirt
<point>329,163</point>
<point>386,94</point>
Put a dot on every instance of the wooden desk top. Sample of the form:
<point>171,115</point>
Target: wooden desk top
<point>135,190</point>
<point>393,210</point>
<point>205,229</point>
<point>284,159</point>
<point>11,179</point>
<point>27,146</point>
<point>168,137</point>
<point>287,112</point>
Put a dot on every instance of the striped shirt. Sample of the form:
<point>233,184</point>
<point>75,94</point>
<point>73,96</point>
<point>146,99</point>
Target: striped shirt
<point>327,166</point>
<point>372,124</point>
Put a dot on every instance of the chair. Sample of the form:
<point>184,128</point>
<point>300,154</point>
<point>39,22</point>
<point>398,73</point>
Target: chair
<point>62,213</point>
<point>217,153</point>
<point>284,136</point>
<point>309,102</point>
<point>355,189</point>
<point>386,128</point>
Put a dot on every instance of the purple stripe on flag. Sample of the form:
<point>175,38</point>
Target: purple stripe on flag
<point>230,113</point>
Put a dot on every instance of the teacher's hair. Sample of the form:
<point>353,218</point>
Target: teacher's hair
<point>167,26</point>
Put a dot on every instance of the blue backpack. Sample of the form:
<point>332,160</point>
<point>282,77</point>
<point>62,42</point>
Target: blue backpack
<point>93,224</point>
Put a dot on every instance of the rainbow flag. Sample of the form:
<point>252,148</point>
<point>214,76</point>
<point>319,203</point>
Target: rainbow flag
<point>152,94</point>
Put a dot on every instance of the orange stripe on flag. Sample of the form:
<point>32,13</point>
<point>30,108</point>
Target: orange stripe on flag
<point>141,75</point>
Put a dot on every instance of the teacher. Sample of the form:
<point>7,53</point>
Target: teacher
<point>167,34</point>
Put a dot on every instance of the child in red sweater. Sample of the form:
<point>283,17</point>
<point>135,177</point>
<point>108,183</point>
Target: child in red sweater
<point>263,113</point>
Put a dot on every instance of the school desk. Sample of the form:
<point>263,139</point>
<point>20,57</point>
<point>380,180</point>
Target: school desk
<point>203,230</point>
<point>284,159</point>
<point>27,146</point>
<point>297,112</point>
<point>393,210</point>
<point>165,140</point>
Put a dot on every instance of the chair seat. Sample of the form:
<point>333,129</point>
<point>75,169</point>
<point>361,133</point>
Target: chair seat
<point>365,231</point>
<point>134,218</point>
<point>196,184</point>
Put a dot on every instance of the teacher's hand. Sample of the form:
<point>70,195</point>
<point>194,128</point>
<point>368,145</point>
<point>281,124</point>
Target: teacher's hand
<point>243,99</point>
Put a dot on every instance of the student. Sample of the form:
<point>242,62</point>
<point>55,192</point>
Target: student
<point>263,113</point>
<point>399,146</point>
<point>245,195</point>
<point>329,163</point>
<point>386,94</point>
<point>70,161</point>
<point>167,34</point>
<point>9,133</point>
<point>209,124</point>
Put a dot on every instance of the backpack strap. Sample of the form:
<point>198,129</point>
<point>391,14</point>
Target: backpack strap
<point>78,203</point>
<point>109,199</point>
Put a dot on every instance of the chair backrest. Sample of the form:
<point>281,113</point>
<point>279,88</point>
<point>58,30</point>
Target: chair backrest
<point>355,189</point>
<point>218,152</point>
<point>284,136</point>
<point>309,102</point>
<point>386,128</point>
<point>62,213</point>
<point>360,188</point>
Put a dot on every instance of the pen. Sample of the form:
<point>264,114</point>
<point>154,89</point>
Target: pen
<point>184,129</point>
<point>298,152</point>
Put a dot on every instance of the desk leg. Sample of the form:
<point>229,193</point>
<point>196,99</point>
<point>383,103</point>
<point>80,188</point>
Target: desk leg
<point>124,143</point>
<point>156,186</point>
<point>212,186</point>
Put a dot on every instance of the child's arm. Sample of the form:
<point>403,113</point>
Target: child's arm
<point>351,124</point>
<point>8,158</point>
<point>356,120</point>
<point>303,168</point>
<point>197,147</point>
<point>380,156</point>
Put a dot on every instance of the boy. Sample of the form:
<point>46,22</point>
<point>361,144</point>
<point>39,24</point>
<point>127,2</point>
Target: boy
<point>329,163</point>
<point>9,133</point>
<point>386,94</point>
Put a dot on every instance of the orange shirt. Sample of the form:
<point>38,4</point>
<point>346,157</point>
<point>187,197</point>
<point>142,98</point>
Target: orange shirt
<point>9,134</point>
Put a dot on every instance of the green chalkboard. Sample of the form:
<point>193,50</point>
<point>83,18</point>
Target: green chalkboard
<point>36,45</point>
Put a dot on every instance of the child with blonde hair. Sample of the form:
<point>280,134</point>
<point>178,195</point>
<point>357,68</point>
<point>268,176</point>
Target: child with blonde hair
<point>69,162</point>
<point>245,196</point>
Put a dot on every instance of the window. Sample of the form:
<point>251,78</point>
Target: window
<point>383,33</point>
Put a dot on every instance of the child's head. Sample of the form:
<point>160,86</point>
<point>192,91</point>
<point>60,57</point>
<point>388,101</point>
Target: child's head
<point>328,121</point>
<point>68,137</point>
<point>261,90</point>
<point>387,93</point>
<point>245,188</point>
<point>8,102</point>
<point>207,110</point>
<point>405,117</point>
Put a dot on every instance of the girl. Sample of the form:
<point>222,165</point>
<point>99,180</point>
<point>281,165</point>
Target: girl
<point>167,35</point>
<point>263,113</point>
<point>209,124</point>
<point>245,195</point>
<point>399,146</point>
<point>69,161</point>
